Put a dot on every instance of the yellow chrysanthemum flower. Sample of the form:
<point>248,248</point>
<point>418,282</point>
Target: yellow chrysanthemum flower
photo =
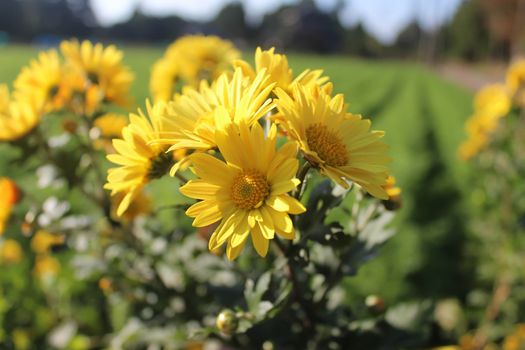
<point>5,98</point>
<point>490,104</point>
<point>100,70</point>
<point>470,147</point>
<point>248,192</point>
<point>279,71</point>
<point>141,205</point>
<point>337,143</point>
<point>391,189</point>
<point>10,252</point>
<point>84,98</point>
<point>18,115</point>
<point>190,115</point>
<point>9,192</point>
<point>9,195</point>
<point>43,241</point>
<point>46,267</point>
<point>109,127</point>
<point>43,81</point>
<point>515,340</point>
<point>139,158</point>
<point>164,77</point>
<point>493,101</point>
<point>394,194</point>
<point>202,57</point>
<point>516,81</point>
<point>478,128</point>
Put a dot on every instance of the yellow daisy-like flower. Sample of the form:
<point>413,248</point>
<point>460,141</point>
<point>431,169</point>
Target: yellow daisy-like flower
<point>394,194</point>
<point>141,205</point>
<point>493,101</point>
<point>279,71</point>
<point>43,241</point>
<point>110,125</point>
<point>248,192</point>
<point>10,252</point>
<point>101,69</point>
<point>84,98</point>
<point>516,81</point>
<point>18,115</point>
<point>479,127</point>
<point>46,267</point>
<point>391,189</point>
<point>43,81</point>
<point>5,98</point>
<point>490,104</point>
<point>9,192</point>
<point>337,143</point>
<point>515,340</point>
<point>164,77</point>
<point>202,57</point>
<point>139,158</point>
<point>190,115</point>
<point>470,147</point>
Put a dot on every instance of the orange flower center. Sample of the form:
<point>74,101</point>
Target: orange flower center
<point>250,188</point>
<point>328,146</point>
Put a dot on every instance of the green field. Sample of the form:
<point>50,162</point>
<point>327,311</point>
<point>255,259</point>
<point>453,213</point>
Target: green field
<point>423,117</point>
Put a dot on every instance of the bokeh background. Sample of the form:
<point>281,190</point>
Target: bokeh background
<point>410,65</point>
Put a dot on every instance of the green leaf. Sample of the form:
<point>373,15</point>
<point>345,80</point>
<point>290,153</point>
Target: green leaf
<point>253,293</point>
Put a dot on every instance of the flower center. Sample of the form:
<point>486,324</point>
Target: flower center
<point>160,165</point>
<point>93,78</point>
<point>53,91</point>
<point>327,145</point>
<point>250,188</point>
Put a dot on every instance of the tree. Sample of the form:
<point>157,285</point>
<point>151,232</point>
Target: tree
<point>467,35</point>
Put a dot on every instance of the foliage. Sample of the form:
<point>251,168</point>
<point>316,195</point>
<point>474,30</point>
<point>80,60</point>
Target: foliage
<point>496,301</point>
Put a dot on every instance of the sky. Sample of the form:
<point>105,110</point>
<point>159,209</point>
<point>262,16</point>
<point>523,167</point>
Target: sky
<point>382,18</point>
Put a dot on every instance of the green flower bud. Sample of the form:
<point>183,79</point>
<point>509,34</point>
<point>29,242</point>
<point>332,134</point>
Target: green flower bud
<point>227,322</point>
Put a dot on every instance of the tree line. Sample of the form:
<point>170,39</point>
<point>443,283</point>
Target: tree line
<point>481,29</point>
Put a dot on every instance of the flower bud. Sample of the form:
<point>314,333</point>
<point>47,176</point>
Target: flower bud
<point>227,322</point>
<point>375,304</point>
<point>394,201</point>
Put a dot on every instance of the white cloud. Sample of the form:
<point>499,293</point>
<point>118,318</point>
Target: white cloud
<point>113,11</point>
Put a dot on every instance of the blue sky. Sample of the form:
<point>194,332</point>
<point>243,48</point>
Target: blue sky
<point>382,18</point>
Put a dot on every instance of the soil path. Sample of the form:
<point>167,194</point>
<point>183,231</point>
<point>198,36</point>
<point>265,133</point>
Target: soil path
<point>472,76</point>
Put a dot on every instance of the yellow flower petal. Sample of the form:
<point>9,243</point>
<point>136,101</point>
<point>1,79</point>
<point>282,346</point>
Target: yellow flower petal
<point>260,243</point>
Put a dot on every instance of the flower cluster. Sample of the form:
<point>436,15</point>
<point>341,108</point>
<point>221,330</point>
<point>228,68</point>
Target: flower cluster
<point>189,60</point>
<point>87,78</point>
<point>74,84</point>
<point>249,136</point>
<point>492,103</point>
<point>228,152</point>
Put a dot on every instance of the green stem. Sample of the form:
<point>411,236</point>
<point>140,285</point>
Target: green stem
<point>301,175</point>
<point>181,177</point>
<point>309,321</point>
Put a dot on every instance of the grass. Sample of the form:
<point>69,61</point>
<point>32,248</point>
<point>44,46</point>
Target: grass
<point>423,117</point>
